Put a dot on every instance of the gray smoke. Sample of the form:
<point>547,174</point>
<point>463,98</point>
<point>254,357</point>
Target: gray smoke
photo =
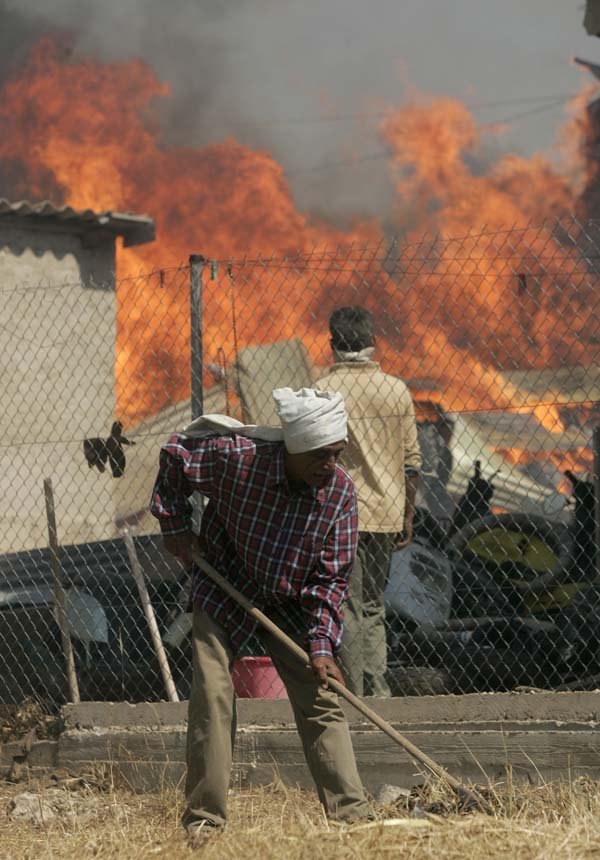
<point>258,71</point>
<point>272,73</point>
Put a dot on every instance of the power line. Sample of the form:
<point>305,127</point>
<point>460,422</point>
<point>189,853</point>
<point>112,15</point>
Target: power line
<point>329,165</point>
<point>366,115</point>
<point>383,154</point>
<point>531,112</point>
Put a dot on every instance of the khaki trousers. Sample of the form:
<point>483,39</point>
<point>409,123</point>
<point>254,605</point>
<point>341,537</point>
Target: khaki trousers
<point>321,723</point>
<point>363,655</point>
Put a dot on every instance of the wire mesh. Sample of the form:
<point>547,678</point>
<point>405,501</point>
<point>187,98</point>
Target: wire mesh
<point>496,335</point>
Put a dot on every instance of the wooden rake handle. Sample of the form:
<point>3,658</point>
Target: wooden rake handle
<point>463,792</point>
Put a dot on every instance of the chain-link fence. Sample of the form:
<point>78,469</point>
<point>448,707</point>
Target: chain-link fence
<point>497,335</point>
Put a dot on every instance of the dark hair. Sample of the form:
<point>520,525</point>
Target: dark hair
<point>351,329</point>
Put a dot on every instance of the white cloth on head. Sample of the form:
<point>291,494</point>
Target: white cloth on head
<point>310,419</point>
<point>360,356</point>
<point>222,425</point>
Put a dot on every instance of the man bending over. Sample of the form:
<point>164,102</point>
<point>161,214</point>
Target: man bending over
<point>281,525</point>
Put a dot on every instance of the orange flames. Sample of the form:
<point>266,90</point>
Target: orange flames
<point>519,294</point>
<point>88,134</point>
<point>579,460</point>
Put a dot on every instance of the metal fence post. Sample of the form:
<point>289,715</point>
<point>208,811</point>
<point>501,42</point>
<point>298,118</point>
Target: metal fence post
<point>596,447</point>
<point>197,262</point>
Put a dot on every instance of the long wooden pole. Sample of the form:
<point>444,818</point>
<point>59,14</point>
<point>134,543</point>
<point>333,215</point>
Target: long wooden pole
<point>60,600</point>
<point>463,792</point>
<point>159,648</point>
<point>197,263</point>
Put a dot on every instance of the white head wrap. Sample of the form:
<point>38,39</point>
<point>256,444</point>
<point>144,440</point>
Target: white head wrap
<point>223,425</point>
<point>310,419</point>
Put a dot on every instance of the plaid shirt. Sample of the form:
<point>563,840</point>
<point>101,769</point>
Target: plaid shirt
<point>288,551</point>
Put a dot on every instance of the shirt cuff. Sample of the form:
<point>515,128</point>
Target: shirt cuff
<point>175,526</point>
<point>320,648</point>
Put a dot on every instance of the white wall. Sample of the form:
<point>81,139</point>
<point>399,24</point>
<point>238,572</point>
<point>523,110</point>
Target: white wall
<point>57,341</point>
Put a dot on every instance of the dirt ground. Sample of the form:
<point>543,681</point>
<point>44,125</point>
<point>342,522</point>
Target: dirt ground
<point>96,821</point>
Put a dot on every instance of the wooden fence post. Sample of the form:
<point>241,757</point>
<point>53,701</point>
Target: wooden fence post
<point>60,600</point>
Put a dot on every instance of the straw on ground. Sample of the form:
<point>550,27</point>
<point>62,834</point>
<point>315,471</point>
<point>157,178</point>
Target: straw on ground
<point>551,822</point>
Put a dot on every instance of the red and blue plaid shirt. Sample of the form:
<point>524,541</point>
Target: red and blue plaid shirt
<point>287,550</point>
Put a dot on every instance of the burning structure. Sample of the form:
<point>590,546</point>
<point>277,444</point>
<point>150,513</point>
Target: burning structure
<point>491,295</point>
<point>466,312</point>
<point>447,303</point>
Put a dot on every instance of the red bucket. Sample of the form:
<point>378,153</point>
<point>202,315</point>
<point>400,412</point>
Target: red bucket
<point>257,678</point>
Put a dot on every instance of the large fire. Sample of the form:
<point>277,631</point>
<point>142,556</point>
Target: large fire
<point>87,133</point>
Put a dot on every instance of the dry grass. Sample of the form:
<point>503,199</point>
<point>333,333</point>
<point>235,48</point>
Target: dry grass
<point>550,823</point>
<point>30,716</point>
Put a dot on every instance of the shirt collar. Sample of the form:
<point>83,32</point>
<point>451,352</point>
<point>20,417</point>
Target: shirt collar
<point>355,365</point>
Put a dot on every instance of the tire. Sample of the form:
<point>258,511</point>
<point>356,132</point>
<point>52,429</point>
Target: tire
<point>548,549</point>
<point>514,552</point>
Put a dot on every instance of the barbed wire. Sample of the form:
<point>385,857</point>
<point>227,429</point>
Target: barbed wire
<point>402,270</point>
<point>369,252</point>
<point>525,408</point>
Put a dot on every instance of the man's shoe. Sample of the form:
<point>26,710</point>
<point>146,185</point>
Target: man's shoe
<point>199,833</point>
<point>341,821</point>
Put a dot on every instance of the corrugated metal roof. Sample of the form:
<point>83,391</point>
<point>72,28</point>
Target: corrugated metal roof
<point>135,229</point>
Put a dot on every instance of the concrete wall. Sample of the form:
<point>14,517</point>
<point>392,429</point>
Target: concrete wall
<point>57,340</point>
<point>478,738</point>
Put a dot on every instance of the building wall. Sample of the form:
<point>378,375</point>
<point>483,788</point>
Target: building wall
<point>57,341</point>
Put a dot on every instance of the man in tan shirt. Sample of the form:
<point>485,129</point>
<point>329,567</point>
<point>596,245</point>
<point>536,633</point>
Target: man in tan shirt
<point>383,458</point>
